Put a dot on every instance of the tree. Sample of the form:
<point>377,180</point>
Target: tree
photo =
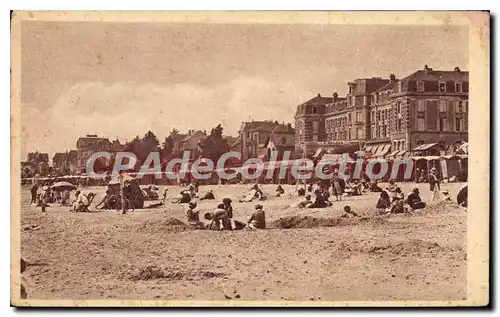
<point>214,145</point>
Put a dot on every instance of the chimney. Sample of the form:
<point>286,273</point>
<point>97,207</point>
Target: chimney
<point>319,95</point>
<point>335,96</point>
<point>392,77</point>
<point>457,69</point>
<point>427,68</point>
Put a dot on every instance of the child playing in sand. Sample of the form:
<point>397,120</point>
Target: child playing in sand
<point>258,218</point>
<point>348,213</point>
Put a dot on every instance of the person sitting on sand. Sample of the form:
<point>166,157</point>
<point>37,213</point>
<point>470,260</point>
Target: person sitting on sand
<point>228,207</point>
<point>208,195</point>
<point>279,191</point>
<point>66,196</point>
<point>374,188</point>
<point>391,189</point>
<point>219,219</point>
<point>193,216</point>
<point>319,201</point>
<point>414,200</point>
<point>183,198</point>
<point>301,192</point>
<point>310,188</point>
<point>398,195</point>
<point>384,202</point>
<point>398,207</point>
<point>254,193</point>
<point>348,213</point>
<point>257,219</point>
<point>353,188</point>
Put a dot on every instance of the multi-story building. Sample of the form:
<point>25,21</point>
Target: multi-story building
<point>64,163</point>
<point>88,145</point>
<point>255,135</point>
<point>429,106</point>
<point>310,130</point>
<point>383,115</point>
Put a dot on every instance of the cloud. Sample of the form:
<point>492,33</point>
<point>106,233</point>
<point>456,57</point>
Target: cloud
<point>125,110</point>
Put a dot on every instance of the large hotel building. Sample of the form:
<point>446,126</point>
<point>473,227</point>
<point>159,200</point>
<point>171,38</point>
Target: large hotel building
<point>388,116</point>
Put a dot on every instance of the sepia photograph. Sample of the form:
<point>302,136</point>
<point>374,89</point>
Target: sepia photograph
<point>250,158</point>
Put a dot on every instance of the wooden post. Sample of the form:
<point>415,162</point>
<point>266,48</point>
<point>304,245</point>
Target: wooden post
<point>122,199</point>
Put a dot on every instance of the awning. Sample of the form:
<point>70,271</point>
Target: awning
<point>393,153</point>
<point>424,147</point>
<point>428,158</point>
<point>317,153</point>
<point>369,148</point>
<point>382,150</point>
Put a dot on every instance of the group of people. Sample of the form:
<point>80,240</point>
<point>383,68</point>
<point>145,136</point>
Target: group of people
<point>43,195</point>
<point>222,217</point>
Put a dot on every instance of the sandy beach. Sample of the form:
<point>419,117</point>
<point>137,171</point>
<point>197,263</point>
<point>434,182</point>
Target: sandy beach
<point>151,254</point>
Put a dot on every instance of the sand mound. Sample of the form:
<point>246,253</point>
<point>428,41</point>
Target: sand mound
<point>163,225</point>
<point>152,272</point>
<point>408,247</point>
<point>312,222</point>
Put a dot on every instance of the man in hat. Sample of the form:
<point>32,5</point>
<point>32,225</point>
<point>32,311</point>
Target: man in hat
<point>414,200</point>
<point>434,184</point>
<point>258,218</point>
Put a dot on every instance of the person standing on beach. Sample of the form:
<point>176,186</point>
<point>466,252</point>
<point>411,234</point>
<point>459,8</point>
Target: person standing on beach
<point>34,191</point>
<point>434,184</point>
<point>338,185</point>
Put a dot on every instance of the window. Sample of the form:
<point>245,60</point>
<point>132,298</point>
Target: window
<point>442,106</point>
<point>283,140</point>
<point>458,124</point>
<point>373,115</point>
<point>349,133</point>
<point>442,86</point>
<point>420,124</point>
<point>373,132</point>
<point>382,118</point>
<point>421,106</point>
<point>315,138</point>
<point>359,133</point>
<point>460,107</point>
<point>398,106</point>
<point>359,116</point>
<point>315,109</point>
<point>458,87</point>
<point>442,124</point>
<point>387,130</point>
<point>315,126</point>
<point>420,86</point>
<point>378,115</point>
<point>403,146</point>
<point>349,118</point>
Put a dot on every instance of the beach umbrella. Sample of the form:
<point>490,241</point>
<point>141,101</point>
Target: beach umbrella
<point>60,186</point>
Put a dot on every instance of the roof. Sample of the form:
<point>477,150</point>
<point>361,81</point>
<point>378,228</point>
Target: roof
<point>188,137</point>
<point>433,75</point>
<point>316,101</point>
<point>389,86</point>
<point>424,147</point>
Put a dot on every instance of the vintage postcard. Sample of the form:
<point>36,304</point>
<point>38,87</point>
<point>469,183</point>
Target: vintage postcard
<point>250,158</point>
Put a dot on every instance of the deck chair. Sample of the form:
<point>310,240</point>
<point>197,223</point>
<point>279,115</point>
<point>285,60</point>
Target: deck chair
<point>85,207</point>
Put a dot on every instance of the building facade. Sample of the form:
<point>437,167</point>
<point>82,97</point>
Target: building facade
<point>425,107</point>
<point>88,145</point>
<point>254,137</point>
<point>389,115</point>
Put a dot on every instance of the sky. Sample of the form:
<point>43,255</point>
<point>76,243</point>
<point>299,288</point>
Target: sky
<point>119,80</point>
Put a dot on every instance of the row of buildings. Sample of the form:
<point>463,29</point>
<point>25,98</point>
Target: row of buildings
<point>384,116</point>
<point>255,139</point>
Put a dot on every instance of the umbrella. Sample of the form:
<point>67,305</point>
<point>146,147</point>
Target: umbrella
<point>63,186</point>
